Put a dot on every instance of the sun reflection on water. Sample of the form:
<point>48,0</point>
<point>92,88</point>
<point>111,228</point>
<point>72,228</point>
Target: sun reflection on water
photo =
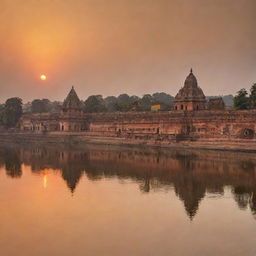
<point>45,181</point>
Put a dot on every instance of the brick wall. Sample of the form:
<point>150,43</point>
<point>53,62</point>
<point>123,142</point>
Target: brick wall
<point>151,125</point>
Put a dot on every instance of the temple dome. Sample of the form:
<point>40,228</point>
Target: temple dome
<point>191,81</point>
<point>72,101</point>
<point>190,93</point>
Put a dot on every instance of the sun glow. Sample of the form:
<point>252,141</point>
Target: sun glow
<point>45,181</point>
<point>43,77</point>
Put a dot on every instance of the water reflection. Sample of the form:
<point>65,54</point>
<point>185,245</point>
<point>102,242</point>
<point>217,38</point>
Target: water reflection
<point>192,174</point>
<point>11,160</point>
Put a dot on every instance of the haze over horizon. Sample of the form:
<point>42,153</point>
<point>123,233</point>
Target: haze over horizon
<point>119,46</point>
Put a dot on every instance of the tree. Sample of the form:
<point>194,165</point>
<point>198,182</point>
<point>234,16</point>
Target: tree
<point>123,102</point>
<point>146,102</point>
<point>41,106</point>
<point>241,100</point>
<point>164,99</point>
<point>111,103</point>
<point>134,99</point>
<point>1,113</point>
<point>36,106</point>
<point>55,106</point>
<point>253,96</point>
<point>124,97</point>
<point>94,103</point>
<point>135,103</point>
<point>12,112</point>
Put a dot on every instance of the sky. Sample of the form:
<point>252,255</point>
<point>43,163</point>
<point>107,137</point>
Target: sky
<point>110,47</point>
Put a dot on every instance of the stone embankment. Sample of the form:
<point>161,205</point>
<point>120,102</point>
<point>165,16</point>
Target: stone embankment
<point>244,145</point>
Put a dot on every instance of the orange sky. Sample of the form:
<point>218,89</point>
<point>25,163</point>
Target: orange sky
<point>133,46</point>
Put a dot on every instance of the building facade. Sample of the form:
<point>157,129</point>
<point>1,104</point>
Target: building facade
<point>191,118</point>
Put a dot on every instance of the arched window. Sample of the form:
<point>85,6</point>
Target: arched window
<point>181,107</point>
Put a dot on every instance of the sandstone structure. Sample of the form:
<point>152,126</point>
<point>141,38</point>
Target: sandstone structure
<point>191,119</point>
<point>190,96</point>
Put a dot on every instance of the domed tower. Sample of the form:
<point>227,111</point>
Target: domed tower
<point>190,96</point>
<point>71,118</point>
<point>72,104</point>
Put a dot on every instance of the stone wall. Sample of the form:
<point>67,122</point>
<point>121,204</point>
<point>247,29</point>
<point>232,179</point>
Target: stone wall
<point>224,123</point>
<point>164,125</point>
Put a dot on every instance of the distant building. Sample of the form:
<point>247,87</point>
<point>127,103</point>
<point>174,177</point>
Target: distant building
<point>216,104</point>
<point>155,107</point>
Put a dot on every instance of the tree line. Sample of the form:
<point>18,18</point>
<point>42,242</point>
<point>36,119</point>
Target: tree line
<point>244,100</point>
<point>11,110</point>
<point>124,102</point>
<point>96,103</point>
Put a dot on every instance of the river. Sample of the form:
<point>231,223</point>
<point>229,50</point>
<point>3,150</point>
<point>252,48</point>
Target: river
<point>107,200</point>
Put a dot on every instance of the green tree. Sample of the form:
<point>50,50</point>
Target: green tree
<point>134,99</point>
<point>123,102</point>
<point>253,96</point>
<point>111,103</point>
<point>12,112</point>
<point>135,103</point>
<point>55,106</point>
<point>41,106</point>
<point>164,99</point>
<point>145,102</point>
<point>94,103</point>
<point>1,113</point>
<point>241,100</point>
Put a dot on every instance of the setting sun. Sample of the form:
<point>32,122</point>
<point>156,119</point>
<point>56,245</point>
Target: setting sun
<point>43,77</point>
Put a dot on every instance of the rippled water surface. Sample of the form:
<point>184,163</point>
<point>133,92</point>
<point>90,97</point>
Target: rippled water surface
<point>124,201</point>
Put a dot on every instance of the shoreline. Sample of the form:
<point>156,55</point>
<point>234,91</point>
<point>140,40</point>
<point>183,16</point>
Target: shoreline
<point>248,146</point>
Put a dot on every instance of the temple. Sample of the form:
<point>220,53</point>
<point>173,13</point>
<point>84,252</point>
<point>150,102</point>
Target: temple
<point>71,113</point>
<point>192,118</point>
<point>190,96</point>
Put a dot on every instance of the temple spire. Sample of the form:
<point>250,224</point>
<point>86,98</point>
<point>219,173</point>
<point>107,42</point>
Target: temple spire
<point>191,71</point>
<point>72,101</point>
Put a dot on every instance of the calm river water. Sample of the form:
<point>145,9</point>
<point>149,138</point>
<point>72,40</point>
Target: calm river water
<point>125,201</point>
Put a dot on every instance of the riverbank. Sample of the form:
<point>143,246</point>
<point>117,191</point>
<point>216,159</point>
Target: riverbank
<point>224,144</point>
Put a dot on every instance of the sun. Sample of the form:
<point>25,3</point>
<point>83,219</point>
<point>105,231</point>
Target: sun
<point>43,77</point>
